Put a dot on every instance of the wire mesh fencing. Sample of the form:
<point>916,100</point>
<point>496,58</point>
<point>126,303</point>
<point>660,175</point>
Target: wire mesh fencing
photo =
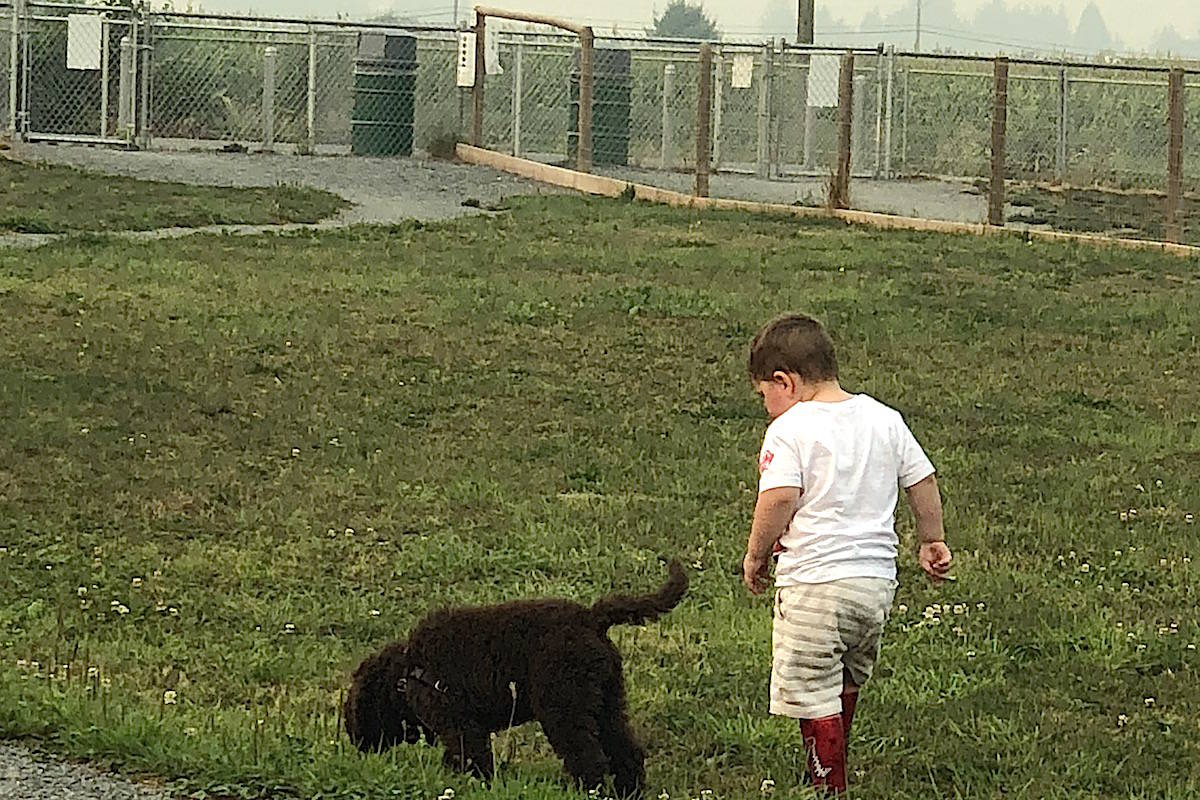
<point>1080,139</point>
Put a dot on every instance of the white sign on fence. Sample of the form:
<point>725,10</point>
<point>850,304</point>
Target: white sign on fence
<point>466,59</point>
<point>83,40</point>
<point>491,52</point>
<point>823,73</point>
<point>743,71</point>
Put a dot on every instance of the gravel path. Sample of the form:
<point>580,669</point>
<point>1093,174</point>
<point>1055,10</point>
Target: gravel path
<point>383,190</point>
<point>929,199</point>
<point>31,776</point>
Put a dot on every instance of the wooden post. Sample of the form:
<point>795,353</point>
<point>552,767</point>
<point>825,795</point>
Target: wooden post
<point>804,21</point>
<point>1173,228</point>
<point>480,74</point>
<point>583,159</point>
<point>704,121</point>
<point>839,192</point>
<point>999,133</point>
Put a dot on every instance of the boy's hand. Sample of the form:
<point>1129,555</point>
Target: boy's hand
<point>935,560</point>
<point>755,574</point>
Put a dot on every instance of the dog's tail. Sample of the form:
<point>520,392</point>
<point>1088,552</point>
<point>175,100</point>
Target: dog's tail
<point>620,609</point>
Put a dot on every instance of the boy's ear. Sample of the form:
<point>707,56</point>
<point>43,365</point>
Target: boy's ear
<point>785,380</point>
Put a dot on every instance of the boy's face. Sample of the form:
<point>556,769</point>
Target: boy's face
<point>779,393</point>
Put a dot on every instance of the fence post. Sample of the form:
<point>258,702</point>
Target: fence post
<point>704,120</point>
<point>1061,166</point>
<point>310,111</point>
<point>889,109</point>
<point>144,105</point>
<point>518,91</point>
<point>668,124</point>
<point>480,74</point>
<point>133,79</point>
<point>840,190</point>
<point>103,77</point>
<point>14,64</point>
<point>718,102</point>
<point>125,89</point>
<point>269,55</point>
<point>904,128</point>
<point>586,86</point>
<point>764,104</point>
<point>1173,227</point>
<point>999,134</point>
<point>879,80</point>
<point>858,131</point>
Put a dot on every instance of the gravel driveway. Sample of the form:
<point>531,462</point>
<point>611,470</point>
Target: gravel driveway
<point>29,776</point>
<point>383,190</point>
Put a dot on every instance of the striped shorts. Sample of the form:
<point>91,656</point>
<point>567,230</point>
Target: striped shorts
<point>823,631</point>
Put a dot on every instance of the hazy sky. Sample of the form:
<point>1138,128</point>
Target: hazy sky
<point>1136,24</point>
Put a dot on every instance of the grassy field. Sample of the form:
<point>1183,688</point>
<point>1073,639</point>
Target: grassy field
<point>233,467</point>
<point>1134,215</point>
<point>43,198</point>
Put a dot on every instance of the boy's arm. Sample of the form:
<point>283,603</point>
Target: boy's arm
<point>926,504</point>
<point>772,513</point>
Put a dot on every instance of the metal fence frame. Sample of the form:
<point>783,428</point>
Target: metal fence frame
<point>172,79</point>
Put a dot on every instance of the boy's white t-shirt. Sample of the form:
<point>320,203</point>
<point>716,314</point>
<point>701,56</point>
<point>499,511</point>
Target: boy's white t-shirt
<point>849,458</point>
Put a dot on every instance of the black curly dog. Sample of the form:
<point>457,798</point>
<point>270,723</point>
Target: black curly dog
<point>465,673</point>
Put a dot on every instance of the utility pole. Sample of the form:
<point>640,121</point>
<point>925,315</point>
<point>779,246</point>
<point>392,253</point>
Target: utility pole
<point>804,22</point>
<point>917,46</point>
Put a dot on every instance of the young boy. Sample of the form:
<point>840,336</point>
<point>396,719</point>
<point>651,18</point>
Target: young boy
<point>830,467</point>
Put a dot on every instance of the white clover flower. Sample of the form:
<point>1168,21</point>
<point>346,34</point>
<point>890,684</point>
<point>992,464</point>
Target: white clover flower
<point>1122,720</point>
<point>767,787</point>
<point>136,583</point>
<point>970,654</point>
<point>1084,568</point>
<point>374,612</point>
<point>959,608</point>
<point>295,452</point>
<point>169,697</point>
<point>92,672</point>
<point>81,591</point>
<point>349,531</point>
<point>122,610</point>
<point>1149,702</point>
<point>1189,519</point>
<point>903,609</point>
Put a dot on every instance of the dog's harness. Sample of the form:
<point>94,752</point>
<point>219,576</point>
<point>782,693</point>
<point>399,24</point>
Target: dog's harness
<point>420,676</point>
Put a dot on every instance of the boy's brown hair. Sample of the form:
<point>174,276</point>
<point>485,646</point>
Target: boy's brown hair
<point>793,343</point>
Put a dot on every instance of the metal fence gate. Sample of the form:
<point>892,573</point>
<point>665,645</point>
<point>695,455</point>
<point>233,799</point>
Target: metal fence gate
<point>73,72</point>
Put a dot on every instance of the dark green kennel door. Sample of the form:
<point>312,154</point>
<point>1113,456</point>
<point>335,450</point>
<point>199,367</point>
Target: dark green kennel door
<point>611,92</point>
<point>385,87</point>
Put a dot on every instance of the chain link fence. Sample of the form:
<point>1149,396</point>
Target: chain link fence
<point>1077,135</point>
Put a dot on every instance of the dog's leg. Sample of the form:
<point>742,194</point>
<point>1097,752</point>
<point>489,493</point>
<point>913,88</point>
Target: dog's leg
<point>568,700</point>
<point>469,752</point>
<point>627,757</point>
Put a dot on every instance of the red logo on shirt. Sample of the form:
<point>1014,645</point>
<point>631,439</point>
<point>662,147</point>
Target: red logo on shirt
<point>765,461</point>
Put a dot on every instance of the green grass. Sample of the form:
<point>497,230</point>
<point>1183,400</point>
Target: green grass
<point>1135,215</point>
<point>233,467</point>
<point>43,198</point>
